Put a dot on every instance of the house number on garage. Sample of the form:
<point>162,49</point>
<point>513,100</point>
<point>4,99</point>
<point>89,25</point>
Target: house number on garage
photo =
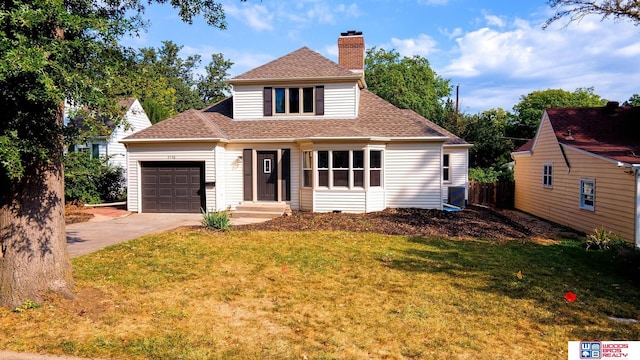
<point>171,157</point>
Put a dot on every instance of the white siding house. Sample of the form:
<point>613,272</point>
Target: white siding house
<point>301,131</point>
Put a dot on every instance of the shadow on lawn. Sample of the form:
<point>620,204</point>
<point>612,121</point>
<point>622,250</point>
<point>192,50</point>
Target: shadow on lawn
<point>606,284</point>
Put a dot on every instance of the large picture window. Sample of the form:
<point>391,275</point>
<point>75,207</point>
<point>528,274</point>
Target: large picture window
<point>587,194</point>
<point>341,168</point>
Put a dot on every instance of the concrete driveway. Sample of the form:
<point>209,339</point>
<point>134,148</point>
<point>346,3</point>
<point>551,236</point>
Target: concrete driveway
<point>86,237</point>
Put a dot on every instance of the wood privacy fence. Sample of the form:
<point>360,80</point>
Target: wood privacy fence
<point>499,194</point>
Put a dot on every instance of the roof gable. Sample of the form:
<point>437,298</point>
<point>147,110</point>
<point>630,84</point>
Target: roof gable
<point>303,63</point>
<point>611,132</point>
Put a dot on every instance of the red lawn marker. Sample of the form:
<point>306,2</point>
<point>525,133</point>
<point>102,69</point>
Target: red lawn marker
<point>570,296</point>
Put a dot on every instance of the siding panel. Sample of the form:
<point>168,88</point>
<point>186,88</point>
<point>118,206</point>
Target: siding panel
<point>412,175</point>
<point>335,200</point>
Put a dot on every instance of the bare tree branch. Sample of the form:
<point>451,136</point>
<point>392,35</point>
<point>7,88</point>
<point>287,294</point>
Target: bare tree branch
<point>575,10</point>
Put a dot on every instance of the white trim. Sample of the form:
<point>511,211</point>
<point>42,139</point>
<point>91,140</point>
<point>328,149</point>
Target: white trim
<point>549,175</point>
<point>590,153</point>
<point>582,204</point>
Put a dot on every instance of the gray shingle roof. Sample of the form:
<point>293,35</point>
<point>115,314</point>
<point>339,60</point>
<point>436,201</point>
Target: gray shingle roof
<point>377,118</point>
<point>303,63</point>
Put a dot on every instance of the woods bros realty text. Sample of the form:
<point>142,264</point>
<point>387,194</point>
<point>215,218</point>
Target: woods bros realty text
<point>604,350</point>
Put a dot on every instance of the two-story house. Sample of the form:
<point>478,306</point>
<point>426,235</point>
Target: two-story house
<point>300,130</point>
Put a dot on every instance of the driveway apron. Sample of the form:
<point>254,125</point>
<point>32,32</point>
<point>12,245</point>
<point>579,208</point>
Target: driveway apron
<point>83,238</point>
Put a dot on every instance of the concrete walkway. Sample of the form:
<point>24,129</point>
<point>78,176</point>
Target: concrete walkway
<point>87,237</point>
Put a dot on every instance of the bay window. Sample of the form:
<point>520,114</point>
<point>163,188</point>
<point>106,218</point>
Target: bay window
<point>341,168</point>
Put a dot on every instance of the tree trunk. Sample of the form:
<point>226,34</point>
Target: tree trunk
<point>34,259</point>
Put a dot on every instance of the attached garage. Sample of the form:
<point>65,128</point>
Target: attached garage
<point>172,187</point>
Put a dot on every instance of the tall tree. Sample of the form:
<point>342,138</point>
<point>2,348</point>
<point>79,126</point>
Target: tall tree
<point>214,87</point>
<point>528,112</point>
<point>167,84</point>
<point>407,82</point>
<point>575,10</point>
<point>52,51</point>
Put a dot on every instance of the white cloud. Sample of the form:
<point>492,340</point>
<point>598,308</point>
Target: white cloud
<point>256,16</point>
<point>422,45</point>
<point>514,58</point>
<point>494,20</point>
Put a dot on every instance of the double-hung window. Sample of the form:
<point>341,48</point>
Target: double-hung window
<point>547,175</point>
<point>375,168</point>
<point>587,194</point>
<point>358,168</point>
<point>307,169</point>
<point>340,168</point>
<point>446,175</point>
<point>323,168</point>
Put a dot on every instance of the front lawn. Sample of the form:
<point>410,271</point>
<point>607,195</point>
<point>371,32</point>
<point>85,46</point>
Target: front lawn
<point>195,294</point>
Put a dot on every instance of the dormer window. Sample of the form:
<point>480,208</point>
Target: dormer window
<point>307,100</point>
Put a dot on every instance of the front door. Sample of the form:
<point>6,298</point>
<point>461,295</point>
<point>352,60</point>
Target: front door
<point>267,176</point>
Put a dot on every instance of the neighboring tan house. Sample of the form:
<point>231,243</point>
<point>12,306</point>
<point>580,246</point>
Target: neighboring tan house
<point>135,119</point>
<point>300,130</point>
<point>581,169</point>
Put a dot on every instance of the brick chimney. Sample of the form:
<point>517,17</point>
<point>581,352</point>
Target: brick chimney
<point>351,51</point>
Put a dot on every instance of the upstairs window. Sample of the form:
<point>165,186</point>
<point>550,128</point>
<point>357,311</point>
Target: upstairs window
<point>306,100</point>
<point>547,175</point>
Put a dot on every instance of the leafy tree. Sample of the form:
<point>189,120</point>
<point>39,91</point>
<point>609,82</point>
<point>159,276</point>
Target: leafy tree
<point>575,10</point>
<point>214,87</point>
<point>92,180</point>
<point>634,100</point>
<point>528,112</point>
<point>486,132</point>
<point>167,84</point>
<point>408,83</point>
<point>52,51</point>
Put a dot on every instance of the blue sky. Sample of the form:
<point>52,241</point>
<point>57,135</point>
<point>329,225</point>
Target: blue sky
<point>496,51</point>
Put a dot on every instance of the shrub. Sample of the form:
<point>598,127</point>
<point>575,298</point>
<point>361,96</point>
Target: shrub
<point>91,180</point>
<point>602,239</point>
<point>490,175</point>
<point>216,220</point>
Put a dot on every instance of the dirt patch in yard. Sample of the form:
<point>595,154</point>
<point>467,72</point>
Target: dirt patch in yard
<point>472,222</point>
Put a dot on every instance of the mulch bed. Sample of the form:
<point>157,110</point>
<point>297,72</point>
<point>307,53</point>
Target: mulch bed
<point>473,222</point>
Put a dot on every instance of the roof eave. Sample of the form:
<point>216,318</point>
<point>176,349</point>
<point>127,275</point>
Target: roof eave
<point>158,140</point>
<point>262,81</point>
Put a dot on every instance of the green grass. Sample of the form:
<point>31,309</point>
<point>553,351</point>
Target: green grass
<point>326,295</point>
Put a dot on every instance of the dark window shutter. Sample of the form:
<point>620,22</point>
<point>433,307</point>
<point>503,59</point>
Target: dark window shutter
<point>247,167</point>
<point>286,174</point>
<point>267,104</point>
<point>320,100</point>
